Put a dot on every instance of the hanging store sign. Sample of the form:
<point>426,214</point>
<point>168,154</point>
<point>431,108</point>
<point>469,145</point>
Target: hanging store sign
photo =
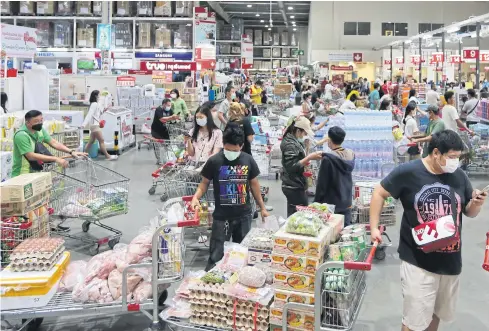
<point>176,56</point>
<point>437,57</point>
<point>168,66</point>
<point>399,60</point>
<point>140,72</point>
<point>455,59</point>
<point>104,36</point>
<point>415,59</point>
<point>439,69</point>
<point>246,52</point>
<point>357,57</point>
<point>125,81</point>
<point>470,53</point>
<point>484,56</point>
<point>387,62</point>
<point>162,77</point>
<point>205,34</point>
<point>18,41</point>
<point>342,68</point>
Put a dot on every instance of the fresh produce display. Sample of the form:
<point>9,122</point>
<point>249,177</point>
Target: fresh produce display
<point>213,277</point>
<point>305,223</point>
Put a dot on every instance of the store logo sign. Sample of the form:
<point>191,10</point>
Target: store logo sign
<point>168,66</point>
<point>178,56</point>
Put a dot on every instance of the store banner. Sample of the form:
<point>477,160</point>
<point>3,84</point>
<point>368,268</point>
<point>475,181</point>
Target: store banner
<point>205,34</point>
<point>399,60</point>
<point>246,52</point>
<point>455,59</point>
<point>123,81</point>
<point>342,68</point>
<point>415,59</point>
<point>162,77</point>
<point>437,57</point>
<point>168,66</point>
<point>470,53</point>
<point>18,41</point>
<point>140,72</point>
<point>104,36</point>
<point>387,62</point>
<point>176,56</point>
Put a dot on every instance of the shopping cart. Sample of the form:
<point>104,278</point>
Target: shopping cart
<point>174,172</point>
<point>485,264</point>
<point>336,306</point>
<point>402,155</point>
<point>167,266</point>
<point>70,138</point>
<point>91,192</point>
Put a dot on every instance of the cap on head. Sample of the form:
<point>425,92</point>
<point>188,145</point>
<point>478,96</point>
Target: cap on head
<point>303,123</point>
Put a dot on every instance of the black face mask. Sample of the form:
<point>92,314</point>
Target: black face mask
<point>37,127</point>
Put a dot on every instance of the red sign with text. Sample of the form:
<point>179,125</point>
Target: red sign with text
<point>125,81</point>
<point>168,66</point>
<point>342,68</point>
<point>357,57</point>
<point>415,59</point>
<point>388,62</point>
<point>470,53</point>
<point>455,59</point>
<point>484,57</point>
<point>399,60</point>
<point>437,57</point>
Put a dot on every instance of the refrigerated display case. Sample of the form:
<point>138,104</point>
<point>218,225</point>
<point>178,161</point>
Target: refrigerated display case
<point>162,8</point>
<point>144,35</point>
<point>144,8</point>
<point>65,8</point>
<point>45,8</point>
<point>118,119</point>
<point>63,34</point>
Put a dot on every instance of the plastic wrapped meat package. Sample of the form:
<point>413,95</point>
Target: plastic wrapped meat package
<point>75,273</point>
<point>95,291</point>
<point>235,257</point>
<point>115,284</point>
<point>139,247</point>
<point>142,292</point>
<point>100,266</point>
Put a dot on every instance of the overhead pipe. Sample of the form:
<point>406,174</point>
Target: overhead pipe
<point>282,10</point>
<point>218,9</point>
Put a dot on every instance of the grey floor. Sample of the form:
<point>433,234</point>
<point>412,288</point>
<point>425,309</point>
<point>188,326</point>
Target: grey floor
<point>381,310</point>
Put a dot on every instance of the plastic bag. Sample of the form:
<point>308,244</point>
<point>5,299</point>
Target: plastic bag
<point>120,251</point>
<point>145,128</point>
<point>235,257</point>
<point>252,277</point>
<point>100,266</point>
<point>74,274</point>
<point>95,291</point>
<point>115,284</point>
<point>304,223</point>
<point>271,223</point>
<point>140,247</point>
<point>142,292</point>
<point>175,214</point>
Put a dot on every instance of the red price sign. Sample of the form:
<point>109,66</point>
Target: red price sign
<point>387,61</point>
<point>399,60</point>
<point>437,57</point>
<point>484,57</point>
<point>415,59</point>
<point>470,53</point>
<point>455,59</point>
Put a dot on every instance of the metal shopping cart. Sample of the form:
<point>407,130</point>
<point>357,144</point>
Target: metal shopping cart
<point>172,172</point>
<point>167,266</point>
<point>91,192</point>
<point>176,131</point>
<point>70,138</point>
<point>337,302</point>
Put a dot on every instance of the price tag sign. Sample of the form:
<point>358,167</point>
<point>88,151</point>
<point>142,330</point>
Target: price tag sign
<point>399,60</point>
<point>437,57</point>
<point>455,59</point>
<point>470,53</point>
<point>123,81</point>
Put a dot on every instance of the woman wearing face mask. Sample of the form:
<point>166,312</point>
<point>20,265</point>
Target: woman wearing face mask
<point>294,160</point>
<point>205,138</point>
<point>95,123</point>
<point>306,104</point>
<point>410,127</point>
<point>178,105</point>
<point>237,117</point>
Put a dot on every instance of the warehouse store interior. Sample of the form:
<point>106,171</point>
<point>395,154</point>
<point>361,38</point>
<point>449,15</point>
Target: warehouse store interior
<point>244,165</point>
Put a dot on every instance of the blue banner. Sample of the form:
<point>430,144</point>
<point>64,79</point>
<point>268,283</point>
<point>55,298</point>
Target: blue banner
<point>104,36</point>
<point>178,56</point>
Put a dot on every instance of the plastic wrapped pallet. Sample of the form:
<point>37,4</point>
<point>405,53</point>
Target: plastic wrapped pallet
<point>97,8</point>
<point>123,8</point>
<point>63,34</point>
<point>85,37</point>
<point>267,38</point>
<point>144,35</point>
<point>258,40</point>
<point>276,39</point>
<point>293,39</point>
<point>276,52</point>
<point>5,8</point>
<point>285,52</point>
<point>26,8</point>
<point>144,8</point>
<point>275,64</point>
<point>249,33</point>
<point>42,27</point>
<point>45,8</point>
<point>83,8</point>
<point>162,36</point>
<point>284,38</point>
<point>162,8</point>
<point>65,8</point>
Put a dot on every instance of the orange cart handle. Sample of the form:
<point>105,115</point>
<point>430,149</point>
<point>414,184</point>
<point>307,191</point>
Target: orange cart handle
<point>367,265</point>
<point>485,265</point>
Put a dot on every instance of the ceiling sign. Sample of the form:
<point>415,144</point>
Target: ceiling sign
<point>399,60</point>
<point>342,68</point>
<point>415,59</point>
<point>387,62</point>
<point>437,57</point>
<point>470,53</point>
<point>455,59</point>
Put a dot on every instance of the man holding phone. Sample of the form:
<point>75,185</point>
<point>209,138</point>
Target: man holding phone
<point>163,114</point>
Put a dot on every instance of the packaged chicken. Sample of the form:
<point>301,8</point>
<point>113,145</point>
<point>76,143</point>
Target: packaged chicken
<point>75,273</point>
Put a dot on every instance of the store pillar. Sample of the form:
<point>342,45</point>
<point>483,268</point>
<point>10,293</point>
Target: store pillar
<point>420,59</point>
<point>391,63</point>
<point>443,51</point>
<point>104,45</point>
<point>460,62</point>
<point>477,59</point>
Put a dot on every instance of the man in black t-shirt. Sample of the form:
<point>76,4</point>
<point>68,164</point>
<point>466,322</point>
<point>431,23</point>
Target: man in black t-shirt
<point>163,114</point>
<point>430,281</point>
<point>233,174</point>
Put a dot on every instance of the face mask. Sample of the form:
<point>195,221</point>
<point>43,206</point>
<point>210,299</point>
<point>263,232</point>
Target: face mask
<point>173,96</point>
<point>451,166</point>
<point>231,155</point>
<point>37,127</point>
<point>167,108</point>
<point>201,121</point>
<point>301,139</point>
<point>233,96</point>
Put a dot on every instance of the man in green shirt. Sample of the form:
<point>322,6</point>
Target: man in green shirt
<point>436,125</point>
<point>25,140</point>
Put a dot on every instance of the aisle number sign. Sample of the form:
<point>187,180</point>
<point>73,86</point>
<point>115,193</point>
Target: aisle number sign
<point>455,59</point>
<point>484,56</point>
<point>415,59</point>
<point>399,60</point>
<point>387,62</point>
<point>470,53</point>
<point>437,57</point>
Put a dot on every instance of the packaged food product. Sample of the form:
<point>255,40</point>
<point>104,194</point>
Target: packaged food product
<point>348,251</point>
<point>74,274</point>
<point>304,223</point>
<point>252,276</point>
<point>115,283</point>
<point>235,257</point>
<point>290,243</point>
<point>293,282</point>
<point>358,236</point>
<point>283,296</point>
<point>259,238</point>
<point>296,264</point>
<point>162,8</point>
<point>24,187</point>
<point>100,266</point>
<point>298,319</point>
<point>334,252</point>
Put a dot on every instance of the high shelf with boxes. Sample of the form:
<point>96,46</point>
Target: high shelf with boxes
<point>229,44</point>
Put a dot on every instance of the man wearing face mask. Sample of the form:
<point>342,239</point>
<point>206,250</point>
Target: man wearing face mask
<point>234,176</point>
<point>163,114</point>
<point>29,150</point>
<point>429,188</point>
<point>224,107</point>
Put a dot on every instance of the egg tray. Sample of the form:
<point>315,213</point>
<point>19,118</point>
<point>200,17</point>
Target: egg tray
<point>38,248</point>
<point>229,322</point>
<point>36,264</point>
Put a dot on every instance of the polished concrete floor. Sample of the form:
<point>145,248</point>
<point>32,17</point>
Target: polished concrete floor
<point>381,310</point>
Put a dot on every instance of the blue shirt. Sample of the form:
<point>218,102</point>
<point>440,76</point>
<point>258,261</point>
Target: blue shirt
<point>374,98</point>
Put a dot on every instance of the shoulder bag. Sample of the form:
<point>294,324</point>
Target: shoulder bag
<point>440,233</point>
<point>39,148</point>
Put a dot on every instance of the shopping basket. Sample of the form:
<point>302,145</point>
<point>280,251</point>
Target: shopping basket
<point>339,290</point>
<point>91,192</point>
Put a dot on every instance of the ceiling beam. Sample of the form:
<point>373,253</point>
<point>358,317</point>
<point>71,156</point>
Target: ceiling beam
<point>218,9</point>
<point>282,10</point>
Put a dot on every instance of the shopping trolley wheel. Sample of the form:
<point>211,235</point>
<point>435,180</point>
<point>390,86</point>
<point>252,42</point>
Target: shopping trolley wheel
<point>152,190</point>
<point>94,249</point>
<point>380,253</point>
<point>139,146</point>
<point>164,197</point>
<point>34,324</point>
<point>113,242</point>
<point>85,226</point>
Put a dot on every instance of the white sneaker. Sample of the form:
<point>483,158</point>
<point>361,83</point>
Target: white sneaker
<point>112,158</point>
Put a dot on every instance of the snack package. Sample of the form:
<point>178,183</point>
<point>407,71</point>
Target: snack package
<point>304,223</point>
<point>74,274</point>
<point>100,266</point>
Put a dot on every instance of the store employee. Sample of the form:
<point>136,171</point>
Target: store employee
<point>29,150</point>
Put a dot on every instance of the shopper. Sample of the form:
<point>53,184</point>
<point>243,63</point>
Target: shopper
<point>435,125</point>
<point>294,160</point>
<point>334,182</point>
<point>365,87</point>
<point>224,107</point>
<point>450,114</point>
<point>179,106</point>
<point>413,96</point>
<point>3,102</point>
<point>256,90</point>
<point>247,94</point>
<point>374,97</point>
<point>95,123</point>
<point>468,110</point>
<point>163,114</point>
<point>410,128</point>
<point>430,281</point>
<point>233,175</point>
<point>386,104</point>
<point>432,97</point>
<point>237,117</point>
<point>306,106</point>
<point>205,138</point>
<point>385,87</point>
<point>348,104</point>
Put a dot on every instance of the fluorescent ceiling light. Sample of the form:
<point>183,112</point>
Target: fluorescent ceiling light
<point>292,16</point>
<point>257,15</point>
<point>294,29</point>
<point>262,21</point>
<point>269,28</point>
<point>454,29</point>
<point>290,8</point>
<point>249,6</point>
<point>293,22</point>
<point>189,24</point>
<point>266,26</point>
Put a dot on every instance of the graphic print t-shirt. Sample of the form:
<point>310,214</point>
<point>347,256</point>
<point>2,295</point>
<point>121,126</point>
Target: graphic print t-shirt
<point>231,181</point>
<point>426,197</point>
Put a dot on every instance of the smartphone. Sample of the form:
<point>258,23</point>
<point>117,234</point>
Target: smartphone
<point>485,189</point>
<point>186,134</point>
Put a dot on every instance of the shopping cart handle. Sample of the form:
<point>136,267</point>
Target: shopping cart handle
<point>307,174</point>
<point>411,144</point>
<point>367,265</point>
<point>485,265</point>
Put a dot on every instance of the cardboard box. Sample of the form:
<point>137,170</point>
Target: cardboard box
<point>282,88</point>
<point>293,282</point>
<point>296,264</point>
<point>21,208</point>
<point>24,187</point>
<point>299,245</point>
<point>296,319</point>
<point>258,256</point>
<point>283,296</point>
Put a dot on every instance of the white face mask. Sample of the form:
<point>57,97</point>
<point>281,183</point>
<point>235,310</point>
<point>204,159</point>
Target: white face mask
<point>201,121</point>
<point>168,108</point>
<point>231,155</point>
<point>173,96</point>
<point>451,166</point>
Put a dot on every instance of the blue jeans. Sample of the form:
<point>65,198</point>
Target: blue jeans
<point>222,231</point>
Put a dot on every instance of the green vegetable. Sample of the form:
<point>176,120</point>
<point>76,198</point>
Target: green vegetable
<point>213,277</point>
<point>322,207</point>
<point>304,223</point>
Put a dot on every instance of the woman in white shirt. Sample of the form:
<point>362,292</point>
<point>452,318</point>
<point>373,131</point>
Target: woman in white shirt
<point>348,104</point>
<point>411,127</point>
<point>94,121</point>
<point>413,96</point>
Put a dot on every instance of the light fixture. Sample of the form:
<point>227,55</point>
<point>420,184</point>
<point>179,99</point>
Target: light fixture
<point>269,29</point>
<point>292,16</point>
<point>290,8</point>
<point>453,29</point>
<point>262,21</point>
<point>293,22</point>
<point>266,26</point>
<point>188,24</point>
<point>249,6</point>
<point>294,29</point>
<point>257,15</point>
